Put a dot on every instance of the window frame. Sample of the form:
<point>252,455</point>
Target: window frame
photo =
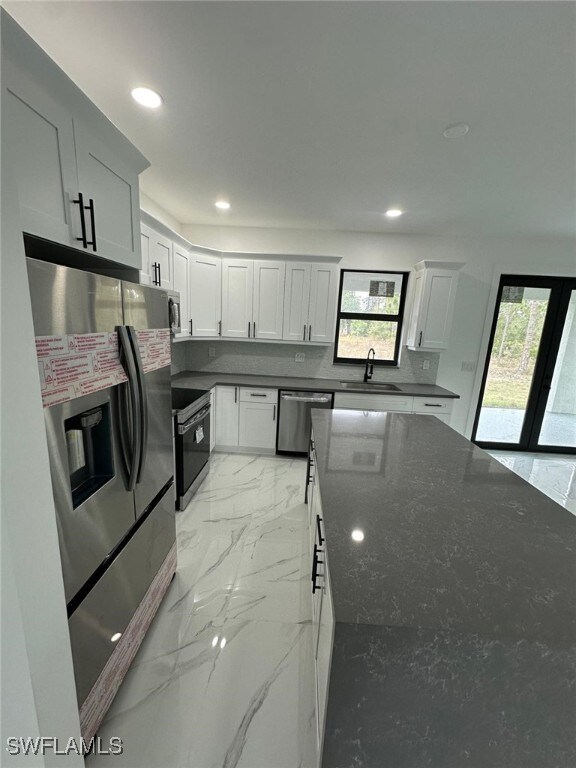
<point>396,318</point>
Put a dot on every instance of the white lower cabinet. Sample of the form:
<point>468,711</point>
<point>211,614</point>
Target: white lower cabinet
<point>246,418</point>
<point>257,425</point>
<point>441,407</point>
<point>322,611</point>
<point>226,416</point>
<point>368,402</point>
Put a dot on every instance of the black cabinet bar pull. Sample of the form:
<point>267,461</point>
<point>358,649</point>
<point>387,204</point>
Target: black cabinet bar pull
<point>235,394</point>
<point>191,327</point>
<point>420,340</point>
<point>254,330</point>
<point>80,202</point>
<point>248,329</point>
<point>321,538</point>
<point>274,414</point>
<point>309,333</point>
<point>159,275</point>
<point>304,337</point>
<point>433,405</point>
<point>219,327</point>
<point>92,224</point>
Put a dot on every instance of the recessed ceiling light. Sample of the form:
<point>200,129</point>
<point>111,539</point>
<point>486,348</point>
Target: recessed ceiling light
<point>116,637</point>
<point>393,213</point>
<point>222,204</point>
<point>456,131</point>
<point>358,535</point>
<point>147,97</point>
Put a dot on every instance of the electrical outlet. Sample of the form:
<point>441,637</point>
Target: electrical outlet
<point>468,365</point>
<point>425,365</point>
<point>211,352</point>
<point>299,357</point>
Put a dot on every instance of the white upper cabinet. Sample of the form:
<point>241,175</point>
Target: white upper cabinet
<point>237,292</point>
<point>182,259</point>
<point>113,219</point>
<point>157,258</point>
<point>322,311</point>
<point>296,301</point>
<point>41,139</point>
<point>205,295</point>
<point>76,186</point>
<point>268,299</point>
<point>310,302</point>
<point>435,286</point>
<point>252,298</point>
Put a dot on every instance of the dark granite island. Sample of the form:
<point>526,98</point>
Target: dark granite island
<point>455,615</point>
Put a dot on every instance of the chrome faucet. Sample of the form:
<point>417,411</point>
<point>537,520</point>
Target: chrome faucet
<point>369,370</point>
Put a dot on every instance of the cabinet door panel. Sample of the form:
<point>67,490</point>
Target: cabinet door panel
<point>237,291</point>
<point>296,301</point>
<point>146,237</point>
<point>438,303</point>
<point>113,186</point>
<point>268,301</point>
<point>226,416</point>
<point>161,254</point>
<point>370,402</point>
<point>322,309</point>
<point>41,140</point>
<point>205,295</point>
<point>182,285</point>
<point>257,425</point>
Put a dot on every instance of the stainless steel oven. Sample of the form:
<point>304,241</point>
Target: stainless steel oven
<point>192,431</point>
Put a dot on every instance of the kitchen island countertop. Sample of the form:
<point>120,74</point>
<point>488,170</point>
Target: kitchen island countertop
<point>207,380</point>
<point>455,615</point>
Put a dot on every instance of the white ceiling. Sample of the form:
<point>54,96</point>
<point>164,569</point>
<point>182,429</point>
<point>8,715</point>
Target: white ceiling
<point>324,114</point>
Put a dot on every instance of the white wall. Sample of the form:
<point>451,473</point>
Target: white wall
<point>379,251</point>
<point>148,205</point>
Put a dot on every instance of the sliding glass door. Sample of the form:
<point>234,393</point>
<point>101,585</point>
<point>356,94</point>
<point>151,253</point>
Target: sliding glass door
<point>528,395</point>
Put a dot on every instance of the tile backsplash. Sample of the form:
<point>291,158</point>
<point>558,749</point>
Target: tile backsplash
<point>278,360</point>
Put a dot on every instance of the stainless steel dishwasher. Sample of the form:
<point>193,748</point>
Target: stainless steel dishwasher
<point>294,421</point>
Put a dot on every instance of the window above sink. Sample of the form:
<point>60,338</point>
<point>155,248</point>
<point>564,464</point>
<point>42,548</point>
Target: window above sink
<point>370,312</point>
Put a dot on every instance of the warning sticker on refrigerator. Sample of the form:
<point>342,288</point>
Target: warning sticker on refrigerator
<point>73,365</point>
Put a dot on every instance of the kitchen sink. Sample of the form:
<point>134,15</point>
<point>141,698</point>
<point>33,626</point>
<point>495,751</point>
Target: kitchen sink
<point>377,386</point>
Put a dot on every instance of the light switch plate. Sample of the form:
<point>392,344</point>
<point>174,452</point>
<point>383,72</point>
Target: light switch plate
<point>299,357</point>
<point>425,365</point>
<point>211,352</point>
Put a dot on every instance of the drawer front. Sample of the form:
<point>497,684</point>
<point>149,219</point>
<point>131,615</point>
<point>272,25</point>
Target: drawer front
<point>258,395</point>
<point>433,405</point>
<point>374,402</point>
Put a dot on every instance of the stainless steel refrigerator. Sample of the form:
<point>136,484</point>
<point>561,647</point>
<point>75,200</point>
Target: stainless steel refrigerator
<point>107,405</point>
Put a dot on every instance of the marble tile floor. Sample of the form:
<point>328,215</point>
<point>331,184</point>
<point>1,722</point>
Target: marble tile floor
<point>552,473</point>
<point>225,675</point>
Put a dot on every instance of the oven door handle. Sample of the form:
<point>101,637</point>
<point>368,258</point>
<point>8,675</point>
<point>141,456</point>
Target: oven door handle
<point>187,426</point>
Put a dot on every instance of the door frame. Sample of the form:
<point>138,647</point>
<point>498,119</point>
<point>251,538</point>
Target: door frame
<point>497,272</point>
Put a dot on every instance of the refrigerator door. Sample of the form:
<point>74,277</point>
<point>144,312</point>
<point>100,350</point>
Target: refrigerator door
<point>146,308</point>
<point>93,506</point>
<point>94,509</point>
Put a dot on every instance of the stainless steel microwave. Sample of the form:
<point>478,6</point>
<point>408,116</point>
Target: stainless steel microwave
<point>174,314</point>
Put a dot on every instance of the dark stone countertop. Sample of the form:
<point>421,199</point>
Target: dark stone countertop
<point>205,380</point>
<point>456,614</point>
